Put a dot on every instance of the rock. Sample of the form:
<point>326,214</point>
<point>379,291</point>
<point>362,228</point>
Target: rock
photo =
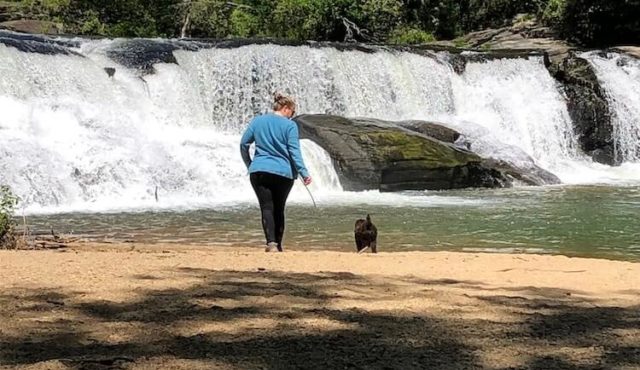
<point>633,51</point>
<point>458,58</point>
<point>142,54</point>
<point>529,175</point>
<point>110,71</point>
<point>522,37</point>
<point>38,44</point>
<point>33,26</point>
<point>373,154</point>
<point>588,108</point>
<point>434,130</point>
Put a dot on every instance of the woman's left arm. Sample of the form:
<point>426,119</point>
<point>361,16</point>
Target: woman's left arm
<point>293,146</point>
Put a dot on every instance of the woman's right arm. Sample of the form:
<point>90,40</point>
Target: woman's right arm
<point>245,144</point>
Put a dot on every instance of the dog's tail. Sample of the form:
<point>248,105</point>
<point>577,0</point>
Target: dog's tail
<point>368,219</point>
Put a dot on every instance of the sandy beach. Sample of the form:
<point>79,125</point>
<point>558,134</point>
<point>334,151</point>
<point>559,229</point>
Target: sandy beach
<point>107,306</point>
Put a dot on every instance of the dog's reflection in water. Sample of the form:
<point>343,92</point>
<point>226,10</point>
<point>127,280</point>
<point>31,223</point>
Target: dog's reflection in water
<point>366,235</point>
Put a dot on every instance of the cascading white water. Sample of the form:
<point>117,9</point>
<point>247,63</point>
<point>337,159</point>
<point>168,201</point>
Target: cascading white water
<point>518,102</point>
<point>511,109</point>
<point>235,84</point>
<point>71,138</point>
<point>619,75</point>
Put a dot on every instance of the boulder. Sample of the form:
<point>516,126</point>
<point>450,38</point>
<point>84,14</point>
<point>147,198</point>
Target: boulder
<point>528,174</point>
<point>433,130</point>
<point>33,26</point>
<point>632,51</point>
<point>143,54</point>
<point>588,108</point>
<point>528,35</point>
<point>29,43</point>
<point>371,154</point>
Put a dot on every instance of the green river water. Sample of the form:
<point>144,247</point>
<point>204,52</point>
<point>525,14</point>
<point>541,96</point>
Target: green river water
<point>589,221</point>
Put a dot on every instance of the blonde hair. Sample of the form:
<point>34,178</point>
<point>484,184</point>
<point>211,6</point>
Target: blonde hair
<point>280,101</point>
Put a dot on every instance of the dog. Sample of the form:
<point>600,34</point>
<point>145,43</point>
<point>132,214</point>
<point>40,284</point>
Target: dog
<point>366,235</point>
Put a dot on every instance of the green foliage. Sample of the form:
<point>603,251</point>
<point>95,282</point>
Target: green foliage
<point>553,12</point>
<point>8,203</point>
<point>209,18</point>
<point>587,22</point>
<point>602,23</point>
<point>92,25</point>
<point>480,14</point>
<point>410,35</point>
<point>381,16</point>
<point>295,20</point>
<point>244,23</point>
<point>46,7</point>
<point>524,18</point>
<point>460,42</point>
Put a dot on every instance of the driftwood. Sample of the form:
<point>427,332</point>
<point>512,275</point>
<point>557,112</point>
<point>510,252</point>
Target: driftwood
<point>40,239</point>
<point>352,30</point>
<point>49,240</point>
<point>41,244</point>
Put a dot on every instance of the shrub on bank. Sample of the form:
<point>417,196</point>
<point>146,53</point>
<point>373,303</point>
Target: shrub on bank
<point>410,35</point>
<point>8,203</point>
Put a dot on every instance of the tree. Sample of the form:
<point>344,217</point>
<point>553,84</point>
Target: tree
<point>602,23</point>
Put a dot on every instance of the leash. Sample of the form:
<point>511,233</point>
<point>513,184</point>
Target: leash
<point>309,191</point>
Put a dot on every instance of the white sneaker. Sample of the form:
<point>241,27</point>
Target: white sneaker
<point>271,246</point>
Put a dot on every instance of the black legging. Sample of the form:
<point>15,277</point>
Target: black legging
<point>272,191</point>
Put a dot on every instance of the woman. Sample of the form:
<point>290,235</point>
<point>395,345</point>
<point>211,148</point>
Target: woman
<point>276,163</point>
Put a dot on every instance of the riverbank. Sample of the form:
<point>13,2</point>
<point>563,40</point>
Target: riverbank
<point>171,306</point>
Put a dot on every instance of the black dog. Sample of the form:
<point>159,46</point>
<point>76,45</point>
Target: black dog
<point>366,235</point>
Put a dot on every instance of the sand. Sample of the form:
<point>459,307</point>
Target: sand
<point>96,306</point>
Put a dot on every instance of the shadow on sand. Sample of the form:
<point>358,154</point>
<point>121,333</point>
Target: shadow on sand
<point>272,320</point>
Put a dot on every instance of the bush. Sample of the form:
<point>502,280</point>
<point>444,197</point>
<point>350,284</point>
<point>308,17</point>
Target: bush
<point>481,14</point>
<point>92,25</point>
<point>461,43</point>
<point>244,24</point>
<point>380,16</point>
<point>410,35</point>
<point>295,20</point>
<point>553,12</point>
<point>45,9</point>
<point>8,203</point>
<point>210,19</point>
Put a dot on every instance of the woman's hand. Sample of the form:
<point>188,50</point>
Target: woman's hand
<point>306,180</point>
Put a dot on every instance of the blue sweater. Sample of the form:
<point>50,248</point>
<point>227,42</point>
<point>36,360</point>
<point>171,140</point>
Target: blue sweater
<point>277,146</point>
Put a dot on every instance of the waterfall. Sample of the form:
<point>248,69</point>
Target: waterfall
<point>619,75</point>
<point>74,139</point>
<point>512,109</point>
<point>516,101</point>
<point>235,84</point>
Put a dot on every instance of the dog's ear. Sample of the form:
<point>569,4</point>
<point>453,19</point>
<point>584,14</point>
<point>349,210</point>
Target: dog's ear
<point>368,219</point>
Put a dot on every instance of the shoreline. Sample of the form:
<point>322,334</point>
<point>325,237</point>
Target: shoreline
<point>201,307</point>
